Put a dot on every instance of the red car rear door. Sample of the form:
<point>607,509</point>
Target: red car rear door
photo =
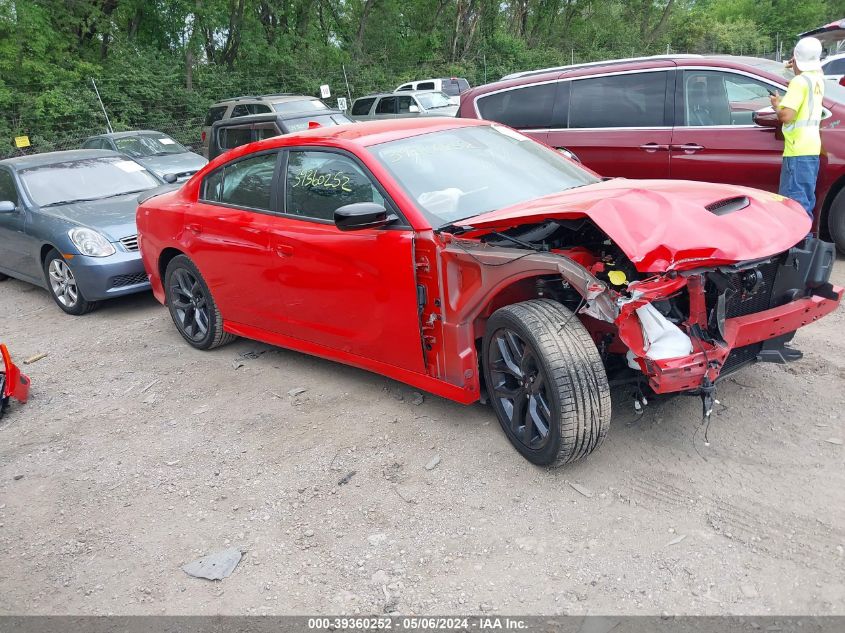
<point>715,138</point>
<point>618,124</point>
<point>353,291</point>
<point>226,234</point>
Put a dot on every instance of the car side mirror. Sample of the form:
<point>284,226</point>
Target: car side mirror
<point>767,117</point>
<point>414,109</point>
<point>169,178</point>
<point>362,215</point>
<point>7,206</point>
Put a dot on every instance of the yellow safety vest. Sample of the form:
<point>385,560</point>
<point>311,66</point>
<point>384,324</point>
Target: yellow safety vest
<point>804,95</point>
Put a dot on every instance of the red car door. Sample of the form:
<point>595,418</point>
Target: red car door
<point>354,291</point>
<point>227,235</point>
<point>618,124</point>
<point>715,138</point>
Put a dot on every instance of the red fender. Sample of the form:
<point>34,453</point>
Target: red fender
<point>17,384</point>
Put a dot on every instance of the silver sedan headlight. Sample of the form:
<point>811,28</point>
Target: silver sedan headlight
<point>90,242</point>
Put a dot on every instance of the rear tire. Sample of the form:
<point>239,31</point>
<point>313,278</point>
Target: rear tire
<point>546,382</point>
<point>61,284</point>
<point>192,307</point>
<point>836,221</point>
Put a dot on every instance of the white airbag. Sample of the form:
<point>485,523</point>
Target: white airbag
<point>661,338</point>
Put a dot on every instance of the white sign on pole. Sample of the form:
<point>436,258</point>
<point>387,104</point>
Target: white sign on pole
<point>341,103</point>
<point>325,93</point>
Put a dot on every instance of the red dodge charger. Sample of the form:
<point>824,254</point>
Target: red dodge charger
<point>466,259</point>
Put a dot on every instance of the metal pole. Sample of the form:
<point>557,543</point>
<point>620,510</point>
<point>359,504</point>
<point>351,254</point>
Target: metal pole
<point>108,123</point>
<point>348,92</point>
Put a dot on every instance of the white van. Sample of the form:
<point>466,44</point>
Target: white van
<point>453,87</point>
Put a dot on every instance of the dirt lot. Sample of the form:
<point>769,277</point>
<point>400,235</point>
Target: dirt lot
<point>139,454</point>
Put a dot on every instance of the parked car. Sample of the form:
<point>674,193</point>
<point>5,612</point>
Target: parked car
<point>833,66</point>
<point>832,36</point>
<point>230,133</point>
<point>684,117</point>
<point>157,152</point>
<point>453,87</point>
<point>390,105</point>
<point>67,224</point>
<point>461,257</point>
<point>261,104</point>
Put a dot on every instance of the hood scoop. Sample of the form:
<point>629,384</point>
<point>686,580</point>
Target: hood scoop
<point>728,205</point>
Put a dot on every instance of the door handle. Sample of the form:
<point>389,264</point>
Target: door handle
<point>283,250</point>
<point>194,228</point>
<point>653,147</point>
<point>688,147</point>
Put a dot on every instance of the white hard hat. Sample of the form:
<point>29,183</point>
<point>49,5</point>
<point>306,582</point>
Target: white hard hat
<point>808,52</point>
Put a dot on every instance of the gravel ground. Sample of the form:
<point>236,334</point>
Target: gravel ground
<point>137,454</point>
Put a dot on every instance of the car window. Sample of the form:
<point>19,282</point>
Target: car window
<point>214,114</point>
<point>720,98</point>
<point>318,183</point>
<point>387,105</point>
<point>525,108</point>
<point>265,130</point>
<point>259,108</point>
<point>93,143</point>
<point>241,109</point>
<point>230,137</point>
<point>425,85</point>
<point>362,106</point>
<point>244,183</point>
<point>404,104</point>
<point>835,67</point>
<point>8,191</point>
<point>405,87</point>
<point>455,86</point>
<point>629,100</point>
<point>300,105</point>
<point>144,145</point>
<point>434,100</point>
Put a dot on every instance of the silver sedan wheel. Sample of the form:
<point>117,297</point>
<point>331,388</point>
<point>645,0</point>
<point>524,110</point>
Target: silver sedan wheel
<point>63,283</point>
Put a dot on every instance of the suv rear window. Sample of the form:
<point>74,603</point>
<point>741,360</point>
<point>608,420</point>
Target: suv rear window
<point>523,108</point>
<point>454,87</point>
<point>214,114</point>
<point>362,106</point>
<point>300,105</point>
<point>425,85</point>
<point>630,100</point>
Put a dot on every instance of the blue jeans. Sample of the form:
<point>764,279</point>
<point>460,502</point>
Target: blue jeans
<point>798,180</point>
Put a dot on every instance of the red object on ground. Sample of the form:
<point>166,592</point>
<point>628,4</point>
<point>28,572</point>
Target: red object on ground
<point>16,384</point>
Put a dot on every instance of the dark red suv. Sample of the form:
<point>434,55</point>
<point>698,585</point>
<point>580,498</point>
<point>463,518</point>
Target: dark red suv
<point>681,117</point>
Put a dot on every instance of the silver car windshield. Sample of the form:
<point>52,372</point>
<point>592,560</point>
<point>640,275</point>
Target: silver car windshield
<point>458,173</point>
<point>432,100</point>
<point>84,180</point>
<point>145,145</point>
<point>300,105</point>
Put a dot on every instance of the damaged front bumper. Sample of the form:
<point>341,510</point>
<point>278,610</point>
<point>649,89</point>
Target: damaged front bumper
<point>735,315</point>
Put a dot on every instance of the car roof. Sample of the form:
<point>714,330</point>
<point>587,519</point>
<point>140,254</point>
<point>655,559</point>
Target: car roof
<point>272,98</point>
<point>374,132</point>
<point>53,158</point>
<point>274,116</point>
<point>127,133</point>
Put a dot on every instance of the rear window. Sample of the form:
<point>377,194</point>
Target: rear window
<point>425,85</point>
<point>524,108</point>
<point>454,87</point>
<point>231,137</point>
<point>325,120</point>
<point>300,105</point>
<point>214,114</point>
<point>631,100</point>
<point>362,106</point>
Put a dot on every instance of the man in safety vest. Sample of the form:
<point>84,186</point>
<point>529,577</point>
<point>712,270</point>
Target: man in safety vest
<point>800,111</point>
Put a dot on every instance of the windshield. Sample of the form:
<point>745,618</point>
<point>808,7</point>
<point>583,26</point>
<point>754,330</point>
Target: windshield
<point>462,172</point>
<point>88,179</point>
<point>144,145</point>
<point>300,105</point>
<point>432,100</point>
<point>325,120</point>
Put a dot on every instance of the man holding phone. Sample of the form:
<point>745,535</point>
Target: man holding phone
<point>800,112</point>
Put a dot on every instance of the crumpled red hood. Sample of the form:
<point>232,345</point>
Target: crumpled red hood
<point>664,224</point>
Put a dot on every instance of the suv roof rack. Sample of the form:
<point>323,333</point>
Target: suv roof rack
<point>262,97</point>
<point>607,62</point>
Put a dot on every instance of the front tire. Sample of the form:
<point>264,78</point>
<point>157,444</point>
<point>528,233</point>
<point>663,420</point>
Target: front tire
<point>836,221</point>
<point>61,283</point>
<point>192,307</point>
<point>546,382</point>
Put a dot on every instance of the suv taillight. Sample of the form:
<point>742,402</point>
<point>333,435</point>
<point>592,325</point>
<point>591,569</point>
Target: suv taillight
<point>202,138</point>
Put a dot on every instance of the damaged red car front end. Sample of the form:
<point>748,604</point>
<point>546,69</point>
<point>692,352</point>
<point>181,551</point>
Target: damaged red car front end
<point>688,282</point>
